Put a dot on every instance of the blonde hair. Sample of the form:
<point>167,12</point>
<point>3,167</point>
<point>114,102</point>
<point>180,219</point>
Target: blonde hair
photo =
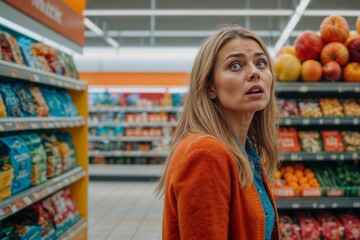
<point>202,116</point>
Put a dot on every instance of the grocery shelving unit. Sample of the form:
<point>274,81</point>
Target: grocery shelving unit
<point>76,179</point>
<point>316,90</point>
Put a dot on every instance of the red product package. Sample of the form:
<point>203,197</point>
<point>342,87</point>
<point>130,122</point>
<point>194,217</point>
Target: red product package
<point>332,141</point>
<point>310,227</point>
<point>351,224</point>
<point>289,229</point>
<point>332,228</point>
<point>289,140</point>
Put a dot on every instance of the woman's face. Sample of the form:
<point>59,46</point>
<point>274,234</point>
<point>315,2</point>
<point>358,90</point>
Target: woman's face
<point>242,77</point>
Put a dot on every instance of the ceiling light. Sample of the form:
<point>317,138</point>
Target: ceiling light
<point>92,26</point>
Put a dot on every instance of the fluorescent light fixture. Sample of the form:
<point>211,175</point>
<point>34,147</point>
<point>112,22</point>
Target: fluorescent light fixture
<point>112,42</point>
<point>291,24</point>
<point>92,26</point>
<point>325,13</point>
<point>188,12</point>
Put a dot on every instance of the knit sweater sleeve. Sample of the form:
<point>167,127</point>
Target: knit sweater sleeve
<point>203,191</point>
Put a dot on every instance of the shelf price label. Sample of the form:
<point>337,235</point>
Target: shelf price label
<point>356,204</point>
<point>14,73</point>
<point>295,205</point>
<point>51,81</point>
<point>355,121</point>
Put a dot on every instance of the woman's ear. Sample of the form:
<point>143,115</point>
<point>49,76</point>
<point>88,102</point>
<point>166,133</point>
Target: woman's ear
<point>212,93</point>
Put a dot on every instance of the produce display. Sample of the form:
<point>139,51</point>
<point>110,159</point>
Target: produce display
<point>331,56</point>
<point>319,225</point>
<point>45,220</point>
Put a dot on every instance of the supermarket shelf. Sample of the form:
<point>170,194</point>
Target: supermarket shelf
<point>28,197</point>
<point>125,171</point>
<point>24,73</point>
<point>125,124</point>
<point>291,121</point>
<point>33,123</point>
<point>317,203</point>
<point>73,231</point>
<point>133,109</point>
<point>326,87</point>
<point>155,153</point>
<point>321,156</point>
<point>128,139</point>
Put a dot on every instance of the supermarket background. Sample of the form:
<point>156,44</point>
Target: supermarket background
<point>90,93</point>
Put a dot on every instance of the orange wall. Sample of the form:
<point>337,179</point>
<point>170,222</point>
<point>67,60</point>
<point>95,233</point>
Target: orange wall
<point>78,5</point>
<point>134,79</point>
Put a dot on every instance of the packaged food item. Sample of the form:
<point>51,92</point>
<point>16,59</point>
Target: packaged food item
<point>66,138</point>
<point>331,107</point>
<point>25,48</point>
<point>332,141</point>
<point>42,63</point>
<point>289,140</point>
<point>289,229</point>
<point>67,103</point>
<point>287,107</point>
<point>310,227</point>
<point>38,158</point>
<point>351,140</point>
<point>309,108</point>
<point>351,108</point>
<point>53,102</point>
<point>310,141</point>
<point>38,215</point>
<point>351,224</point>
<point>20,160</point>
<point>25,231</point>
<point>68,65</point>
<point>25,99</point>
<point>73,213</point>
<point>6,178</point>
<point>12,103</point>
<point>41,107</point>
<point>50,54</point>
<point>3,112</point>
<point>330,225</point>
<point>16,54</point>
<point>5,47</point>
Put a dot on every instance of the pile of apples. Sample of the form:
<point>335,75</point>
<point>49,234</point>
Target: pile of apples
<point>332,56</point>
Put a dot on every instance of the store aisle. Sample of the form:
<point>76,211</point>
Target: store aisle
<point>124,211</point>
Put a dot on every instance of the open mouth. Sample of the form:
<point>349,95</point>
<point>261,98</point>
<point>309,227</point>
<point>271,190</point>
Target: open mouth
<point>255,90</point>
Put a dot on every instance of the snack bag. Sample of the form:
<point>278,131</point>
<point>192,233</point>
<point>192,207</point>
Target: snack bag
<point>41,107</point>
<point>351,224</point>
<point>38,158</point>
<point>11,101</point>
<point>53,102</point>
<point>25,99</point>
<point>15,50</point>
<point>6,53</point>
<point>289,140</point>
<point>50,54</point>
<point>20,160</point>
<point>3,112</point>
<point>332,141</point>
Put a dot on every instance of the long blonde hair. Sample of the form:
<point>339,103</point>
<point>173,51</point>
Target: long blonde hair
<point>201,115</point>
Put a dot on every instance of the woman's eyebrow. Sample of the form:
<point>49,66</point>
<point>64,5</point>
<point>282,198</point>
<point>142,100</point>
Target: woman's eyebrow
<point>242,55</point>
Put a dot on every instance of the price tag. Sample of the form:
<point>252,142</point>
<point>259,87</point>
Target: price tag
<point>5,211</point>
<point>306,121</point>
<point>340,89</point>
<point>356,204</point>
<point>19,126</point>
<point>34,125</point>
<point>60,83</point>
<point>295,205</point>
<point>321,121</point>
<point>336,121</point>
<point>322,205</point>
<point>1,128</point>
<point>303,89</point>
<point>52,81</point>
<point>27,201</point>
<point>314,205</point>
<point>36,78</point>
<point>14,73</point>
<point>355,156</point>
<point>287,121</point>
<point>319,157</point>
<point>334,205</point>
<point>355,121</point>
<point>57,124</point>
<point>357,89</point>
<point>51,125</point>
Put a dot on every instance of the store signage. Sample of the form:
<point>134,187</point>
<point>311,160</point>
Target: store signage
<point>56,15</point>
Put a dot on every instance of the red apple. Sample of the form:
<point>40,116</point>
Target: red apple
<point>335,51</point>
<point>308,45</point>
<point>354,49</point>
<point>331,71</point>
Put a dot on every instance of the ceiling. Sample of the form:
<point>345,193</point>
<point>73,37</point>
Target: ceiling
<point>185,23</point>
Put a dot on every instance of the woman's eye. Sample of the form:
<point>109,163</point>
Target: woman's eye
<point>261,63</point>
<point>235,66</point>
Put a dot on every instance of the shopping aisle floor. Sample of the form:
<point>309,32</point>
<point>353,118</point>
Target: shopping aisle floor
<point>124,211</point>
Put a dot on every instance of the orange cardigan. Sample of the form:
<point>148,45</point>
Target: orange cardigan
<point>204,200</point>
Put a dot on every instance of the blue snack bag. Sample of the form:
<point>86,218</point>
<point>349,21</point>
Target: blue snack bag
<point>20,160</point>
<point>25,99</point>
<point>11,101</point>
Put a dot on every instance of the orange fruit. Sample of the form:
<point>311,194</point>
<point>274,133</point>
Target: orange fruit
<point>299,173</point>
<point>309,175</point>
<point>289,169</point>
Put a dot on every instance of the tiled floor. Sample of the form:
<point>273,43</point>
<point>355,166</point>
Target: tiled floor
<point>124,211</point>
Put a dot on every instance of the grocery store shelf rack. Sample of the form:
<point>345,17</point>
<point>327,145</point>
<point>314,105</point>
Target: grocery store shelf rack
<point>153,153</point>
<point>24,73</point>
<point>34,123</point>
<point>73,231</point>
<point>133,109</point>
<point>127,139</point>
<point>28,197</point>
<point>302,87</point>
<point>134,124</point>
<point>317,203</point>
<point>320,156</point>
<point>303,121</point>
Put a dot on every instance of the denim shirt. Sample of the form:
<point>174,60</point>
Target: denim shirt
<point>259,185</point>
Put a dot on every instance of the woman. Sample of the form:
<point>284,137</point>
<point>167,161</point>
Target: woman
<point>224,149</point>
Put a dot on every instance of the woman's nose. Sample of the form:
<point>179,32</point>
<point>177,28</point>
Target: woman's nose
<point>254,74</point>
